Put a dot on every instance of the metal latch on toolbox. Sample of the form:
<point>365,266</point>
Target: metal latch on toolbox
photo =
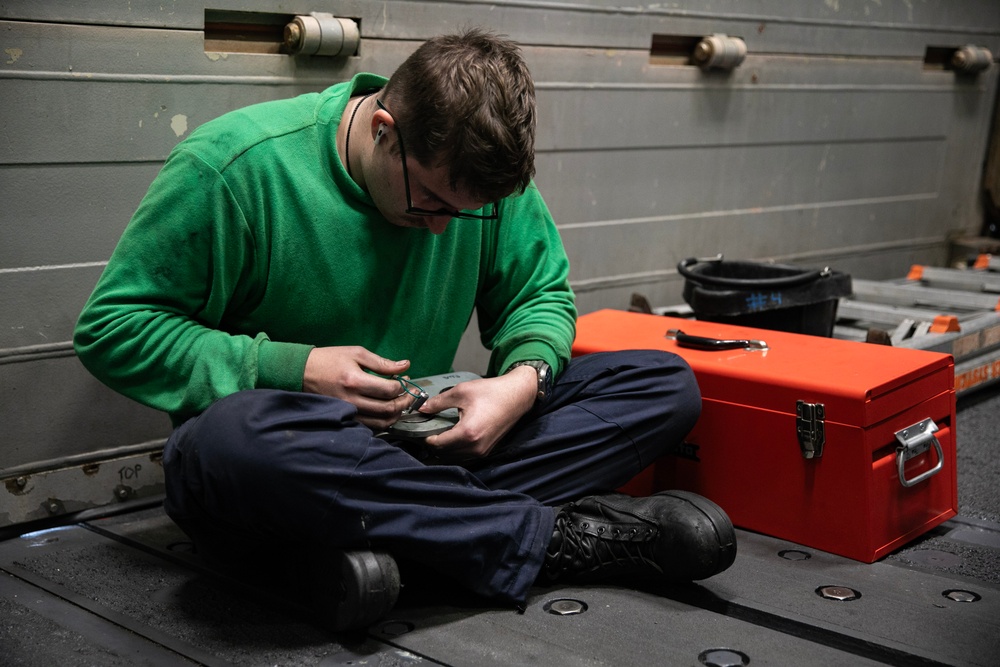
<point>811,429</point>
<point>915,440</point>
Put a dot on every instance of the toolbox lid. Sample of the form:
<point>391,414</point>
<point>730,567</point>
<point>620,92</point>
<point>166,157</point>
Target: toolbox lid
<point>860,384</point>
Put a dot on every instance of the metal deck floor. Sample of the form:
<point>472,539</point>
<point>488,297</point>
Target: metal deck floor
<point>126,590</point>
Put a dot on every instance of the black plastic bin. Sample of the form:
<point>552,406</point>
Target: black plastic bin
<point>766,296</point>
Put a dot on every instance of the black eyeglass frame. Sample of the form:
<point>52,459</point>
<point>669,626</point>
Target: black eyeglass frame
<point>416,210</point>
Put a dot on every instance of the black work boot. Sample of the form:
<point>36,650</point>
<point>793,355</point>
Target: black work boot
<point>672,535</point>
<point>353,589</point>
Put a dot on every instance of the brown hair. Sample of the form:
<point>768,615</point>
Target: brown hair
<point>467,101</point>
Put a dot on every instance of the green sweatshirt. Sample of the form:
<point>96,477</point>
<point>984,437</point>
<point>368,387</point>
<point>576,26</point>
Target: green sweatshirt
<point>253,245</point>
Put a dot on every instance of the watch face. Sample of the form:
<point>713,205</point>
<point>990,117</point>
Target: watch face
<point>544,382</point>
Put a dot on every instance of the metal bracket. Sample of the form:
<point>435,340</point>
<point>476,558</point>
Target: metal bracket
<point>810,426</point>
<point>322,34</point>
<point>915,440</point>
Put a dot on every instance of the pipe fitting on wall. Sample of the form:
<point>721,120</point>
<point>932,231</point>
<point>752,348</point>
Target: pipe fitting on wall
<point>322,34</point>
<point>971,59</point>
<point>719,52</point>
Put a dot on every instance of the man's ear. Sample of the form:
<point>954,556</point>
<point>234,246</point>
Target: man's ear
<point>381,123</point>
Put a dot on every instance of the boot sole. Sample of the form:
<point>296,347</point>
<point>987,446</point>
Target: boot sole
<point>368,587</point>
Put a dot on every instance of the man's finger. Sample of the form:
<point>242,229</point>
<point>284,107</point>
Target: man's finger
<point>378,364</point>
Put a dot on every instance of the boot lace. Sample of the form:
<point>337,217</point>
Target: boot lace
<point>616,550</point>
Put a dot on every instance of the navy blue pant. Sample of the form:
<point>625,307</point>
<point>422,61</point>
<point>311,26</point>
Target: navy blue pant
<point>272,467</point>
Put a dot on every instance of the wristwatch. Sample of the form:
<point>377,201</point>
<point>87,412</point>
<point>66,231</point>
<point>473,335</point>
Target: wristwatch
<point>544,372</point>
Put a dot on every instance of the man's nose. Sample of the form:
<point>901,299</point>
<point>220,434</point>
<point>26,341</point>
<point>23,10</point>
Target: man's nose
<point>438,224</point>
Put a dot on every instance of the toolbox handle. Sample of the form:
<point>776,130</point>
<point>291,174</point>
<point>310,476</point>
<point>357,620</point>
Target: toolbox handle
<point>703,343</point>
<point>915,440</point>
<point>781,282</point>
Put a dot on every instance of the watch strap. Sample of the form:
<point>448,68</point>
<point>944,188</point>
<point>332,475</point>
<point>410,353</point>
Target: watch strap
<point>544,373</point>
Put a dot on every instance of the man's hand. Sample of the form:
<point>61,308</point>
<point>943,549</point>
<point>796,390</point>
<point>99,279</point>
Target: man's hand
<point>340,372</point>
<point>487,409</point>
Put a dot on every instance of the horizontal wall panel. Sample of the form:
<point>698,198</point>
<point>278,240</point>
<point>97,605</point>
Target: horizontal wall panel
<point>144,112</point>
<point>612,28</point>
<point>143,121</point>
<point>74,52</point>
<point>53,408</point>
<point>113,122</point>
<point>603,254</point>
<point>896,30</point>
<point>40,307</point>
<point>66,214</point>
<point>587,68</point>
<point>648,118</point>
<point>967,13</point>
<point>69,51</point>
<point>890,264</point>
<point>172,13</point>
<point>612,186</point>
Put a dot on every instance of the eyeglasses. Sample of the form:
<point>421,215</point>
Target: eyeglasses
<point>415,210</point>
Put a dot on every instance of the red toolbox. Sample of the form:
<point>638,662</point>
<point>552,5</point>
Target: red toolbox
<point>841,446</point>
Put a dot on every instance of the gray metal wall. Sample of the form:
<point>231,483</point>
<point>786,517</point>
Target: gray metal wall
<point>831,144</point>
